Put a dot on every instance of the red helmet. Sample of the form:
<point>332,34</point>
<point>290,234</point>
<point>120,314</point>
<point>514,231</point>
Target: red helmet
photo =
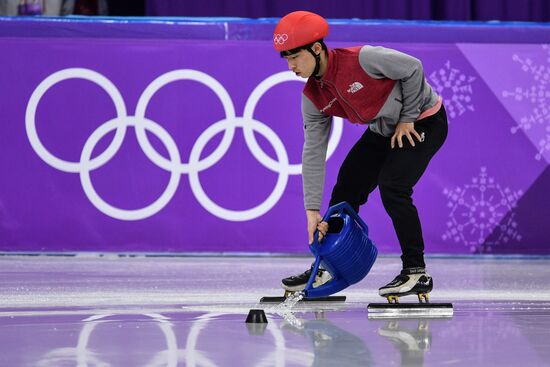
<point>298,29</point>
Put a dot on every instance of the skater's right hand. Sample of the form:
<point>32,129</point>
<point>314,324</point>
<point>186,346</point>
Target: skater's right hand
<point>315,222</point>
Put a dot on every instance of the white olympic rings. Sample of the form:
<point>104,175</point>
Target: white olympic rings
<point>173,164</point>
<point>280,39</point>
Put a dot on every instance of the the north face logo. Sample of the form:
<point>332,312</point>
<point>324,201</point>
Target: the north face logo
<point>354,87</point>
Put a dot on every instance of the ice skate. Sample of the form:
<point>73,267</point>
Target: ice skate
<point>409,281</point>
<point>297,283</point>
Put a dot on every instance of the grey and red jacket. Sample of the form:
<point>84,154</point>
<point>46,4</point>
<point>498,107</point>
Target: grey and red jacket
<point>365,85</point>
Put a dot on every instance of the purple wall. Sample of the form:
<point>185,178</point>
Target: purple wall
<point>118,140</point>
<point>532,10</point>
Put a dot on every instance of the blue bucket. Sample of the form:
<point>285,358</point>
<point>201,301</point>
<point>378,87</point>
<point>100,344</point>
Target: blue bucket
<point>347,255</point>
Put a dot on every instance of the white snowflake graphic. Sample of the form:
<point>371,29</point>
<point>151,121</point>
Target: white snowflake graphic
<point>538,94</point>
<point>455,88</point>
<point>478,210</point>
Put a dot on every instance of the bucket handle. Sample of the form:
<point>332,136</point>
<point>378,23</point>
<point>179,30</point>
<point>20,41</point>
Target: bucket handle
<point>339,208</point>
<point>344,206</point>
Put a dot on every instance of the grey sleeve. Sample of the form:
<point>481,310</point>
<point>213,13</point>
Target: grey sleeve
<point>316,135</point>
<point>380,62</point>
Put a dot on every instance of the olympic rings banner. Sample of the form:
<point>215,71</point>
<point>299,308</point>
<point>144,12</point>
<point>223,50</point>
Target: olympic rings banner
<point>171,145</point>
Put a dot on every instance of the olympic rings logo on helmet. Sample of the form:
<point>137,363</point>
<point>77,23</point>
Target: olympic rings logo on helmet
<point>123,120</point>
<point>280,39</point>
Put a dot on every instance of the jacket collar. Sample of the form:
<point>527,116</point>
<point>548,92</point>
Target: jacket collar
<point>332,63</point>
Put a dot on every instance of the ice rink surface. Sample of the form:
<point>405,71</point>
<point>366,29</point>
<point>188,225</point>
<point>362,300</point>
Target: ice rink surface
<point>190,311</point>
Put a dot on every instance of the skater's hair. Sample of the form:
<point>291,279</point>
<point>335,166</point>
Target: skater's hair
<point>305,47</point>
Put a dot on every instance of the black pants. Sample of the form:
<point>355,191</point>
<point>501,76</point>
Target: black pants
<point>371,163</point>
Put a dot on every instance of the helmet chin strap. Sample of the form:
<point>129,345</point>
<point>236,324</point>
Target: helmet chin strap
<point>317,63</point>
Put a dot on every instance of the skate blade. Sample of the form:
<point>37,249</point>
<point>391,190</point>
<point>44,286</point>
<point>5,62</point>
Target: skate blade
<point>410,310</point>
<point>320,299</point>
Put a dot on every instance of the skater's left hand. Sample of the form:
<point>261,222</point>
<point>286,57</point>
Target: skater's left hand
<point>315,223</point>
<point>404,128</point>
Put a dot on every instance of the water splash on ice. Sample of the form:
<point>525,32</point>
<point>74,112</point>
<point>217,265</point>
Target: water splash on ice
<point>284,309</point>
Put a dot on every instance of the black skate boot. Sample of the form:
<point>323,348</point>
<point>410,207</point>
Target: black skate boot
<point>409,281</point>
<point>298,283</point>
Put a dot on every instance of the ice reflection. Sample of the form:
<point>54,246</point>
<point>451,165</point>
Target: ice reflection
<point>332,345</point>
<point>117,351</point>
<point>82,356</point>
<point>412,338</point>
<point>210,339</point>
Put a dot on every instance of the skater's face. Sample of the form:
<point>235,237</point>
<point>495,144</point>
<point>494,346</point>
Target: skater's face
<point>302,63</point>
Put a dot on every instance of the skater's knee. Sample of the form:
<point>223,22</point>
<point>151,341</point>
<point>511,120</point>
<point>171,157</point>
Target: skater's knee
<point>390,191</point>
